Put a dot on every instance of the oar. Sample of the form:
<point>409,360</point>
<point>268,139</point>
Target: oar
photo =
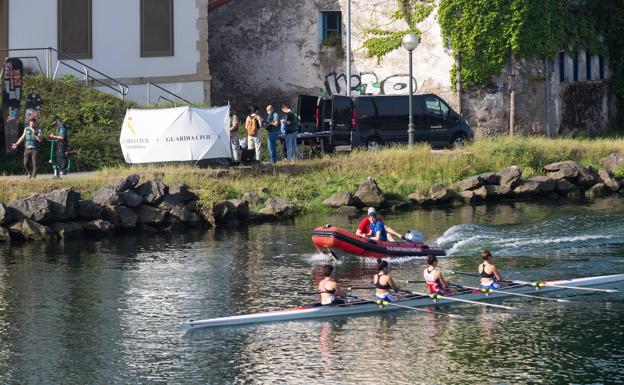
<point>410,281</point>
<point>539,284</point>
<point>307,293</point>
<point>360,288</point>
<point>436,296</point>
<point>411,308</point>
<point>487,291</point>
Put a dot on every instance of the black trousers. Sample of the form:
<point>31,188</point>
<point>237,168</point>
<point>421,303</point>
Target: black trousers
<point>61,157</point>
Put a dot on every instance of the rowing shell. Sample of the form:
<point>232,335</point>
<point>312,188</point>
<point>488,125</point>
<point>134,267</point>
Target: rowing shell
<point>310,312</point>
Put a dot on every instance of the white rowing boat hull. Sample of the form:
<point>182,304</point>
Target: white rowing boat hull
<point>418,301</point>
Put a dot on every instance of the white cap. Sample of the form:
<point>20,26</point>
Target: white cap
<point>372,211</point>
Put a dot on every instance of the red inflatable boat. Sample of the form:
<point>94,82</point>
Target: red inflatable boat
<point>340,243</point>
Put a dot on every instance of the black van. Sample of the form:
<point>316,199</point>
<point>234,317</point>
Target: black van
<point>374,121</point>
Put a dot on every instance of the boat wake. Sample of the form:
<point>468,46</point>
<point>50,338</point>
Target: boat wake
<point>566,235</point>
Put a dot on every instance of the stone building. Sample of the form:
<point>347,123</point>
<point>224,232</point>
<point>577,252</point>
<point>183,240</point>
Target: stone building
<point>272,50</point>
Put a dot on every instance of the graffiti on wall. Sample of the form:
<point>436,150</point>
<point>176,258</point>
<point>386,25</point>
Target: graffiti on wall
<point>368,84</point>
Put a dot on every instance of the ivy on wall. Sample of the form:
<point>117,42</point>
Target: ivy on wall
<point>488,32</point>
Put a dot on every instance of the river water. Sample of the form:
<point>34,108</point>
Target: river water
<point>105,311</point>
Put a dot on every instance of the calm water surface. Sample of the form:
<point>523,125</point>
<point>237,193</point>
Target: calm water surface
<point>106,311</point>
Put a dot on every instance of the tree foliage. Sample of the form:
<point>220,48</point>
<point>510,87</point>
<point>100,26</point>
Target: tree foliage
<point>382,41</point>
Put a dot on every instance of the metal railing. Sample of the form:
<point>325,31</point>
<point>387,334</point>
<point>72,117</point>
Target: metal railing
<point>149,84</point>
<point>89,74</point>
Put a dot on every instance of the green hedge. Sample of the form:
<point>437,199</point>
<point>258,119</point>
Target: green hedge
<point>93,119</point>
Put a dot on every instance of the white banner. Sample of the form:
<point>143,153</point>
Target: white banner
<point>176,134</point>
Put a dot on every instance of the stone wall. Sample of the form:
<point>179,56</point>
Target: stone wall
<point>276,54</point>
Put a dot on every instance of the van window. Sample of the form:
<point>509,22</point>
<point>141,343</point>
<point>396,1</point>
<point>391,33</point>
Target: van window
<point>391,107</point>
<point>436,107</point>
<point>365,108</point>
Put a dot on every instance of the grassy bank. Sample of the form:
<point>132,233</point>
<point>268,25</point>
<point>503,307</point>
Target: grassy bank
<point>399,171</point>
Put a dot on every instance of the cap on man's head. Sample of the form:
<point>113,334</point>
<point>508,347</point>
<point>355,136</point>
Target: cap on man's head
<point>372,211</point>
<point>55,118</point>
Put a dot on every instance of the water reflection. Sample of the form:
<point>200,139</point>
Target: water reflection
<point>106,310</point>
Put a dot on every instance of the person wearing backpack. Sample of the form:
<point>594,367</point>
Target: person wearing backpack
<point>291,125</point>
<point>252,125</point>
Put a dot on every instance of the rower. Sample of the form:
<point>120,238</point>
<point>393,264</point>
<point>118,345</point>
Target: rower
<point>490,277</point>
<point>329,289</point>
<point>383,283</point>
<point>434,279</point>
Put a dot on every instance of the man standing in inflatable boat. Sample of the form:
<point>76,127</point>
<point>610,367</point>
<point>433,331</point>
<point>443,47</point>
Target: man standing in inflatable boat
<point>381,231</point>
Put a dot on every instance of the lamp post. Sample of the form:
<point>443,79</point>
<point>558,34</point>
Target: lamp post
<point>410,42</point>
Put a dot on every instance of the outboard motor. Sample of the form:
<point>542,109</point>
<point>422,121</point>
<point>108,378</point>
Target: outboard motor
<point>413,236</point>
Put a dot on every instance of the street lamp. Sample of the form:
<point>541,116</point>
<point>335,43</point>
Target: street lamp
<point>410,42</point>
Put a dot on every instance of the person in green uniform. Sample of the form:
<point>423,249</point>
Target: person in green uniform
<point>61,143</point>
<point>31,138</point>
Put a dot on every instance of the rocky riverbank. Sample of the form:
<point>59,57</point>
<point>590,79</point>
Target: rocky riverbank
<point>153,206</point>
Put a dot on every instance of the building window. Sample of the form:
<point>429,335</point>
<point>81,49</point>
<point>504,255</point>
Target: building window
<point>74,28</point>
<point>156,28</point>
<point>601,66</point>
<point>588,66</point>
<point>575,67</point>
<point>562,66</point>
<point>331,24</point>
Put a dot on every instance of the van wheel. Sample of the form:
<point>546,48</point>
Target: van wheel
<point>374,144</point>
<point>459,140</point>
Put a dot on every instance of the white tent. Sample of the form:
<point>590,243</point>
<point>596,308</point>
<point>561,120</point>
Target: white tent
<point>176,134</point>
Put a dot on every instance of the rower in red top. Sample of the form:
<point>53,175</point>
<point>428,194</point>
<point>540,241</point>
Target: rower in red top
<point>363,229</point>
<point>490,277</point>
<point>383,283</point>
<point>434,279</point>
<point>331,293</point>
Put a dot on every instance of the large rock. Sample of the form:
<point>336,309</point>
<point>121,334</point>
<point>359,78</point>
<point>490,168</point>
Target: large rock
<point>476,181</point>
<point>223,211</point>
<point>536,185</point>
<point>241,207</point>
<point>279,207</point>
<point>339,200</point>
<point>510,177</point>
<point>126,183</point>
<point>566,169</point>
<point>6,214</point>
<point>153,192</point>
<point>470,183</point>
<point>587,177</point>
<point>150,215</point>
<point>369,194</point>
<point>131,199</point>
<point>597,190</point>
<point>29,230</point>
<point>182,190</point>
<point>608,179</point>
<point>180,213</point>
<point>417,197</point>
<point>469,196</point>
<point>120,216</point>
<point>489,192</point>
<point>97,226</point>
<point>108,196</point>
<point>88,209</point>
<point>5,236</point>
<point>613,161</point>
<point>64,204</point>
<point>348,211</point>
<point>252,197</point>
<point>564,186</point>
<point>439,194</point>
<point>67,230</point>
<point>35,209</point>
